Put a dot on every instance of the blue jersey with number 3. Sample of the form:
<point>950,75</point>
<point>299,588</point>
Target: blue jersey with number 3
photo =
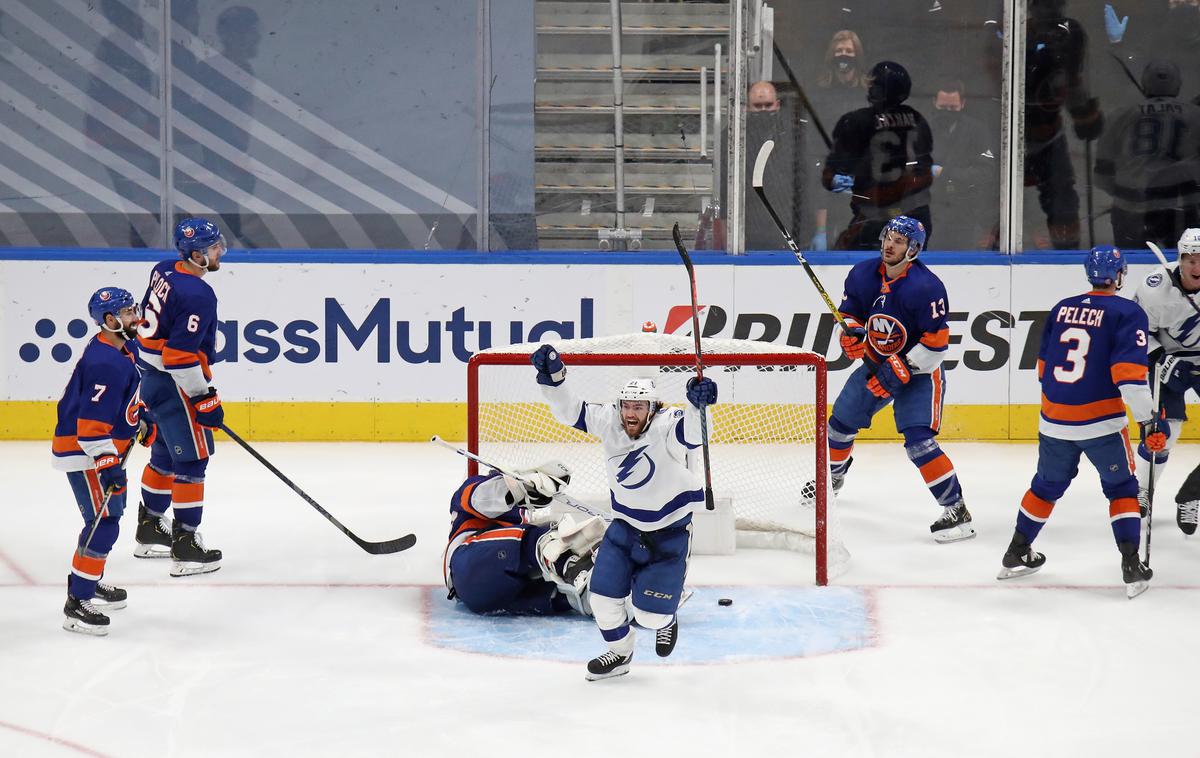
<point>1092,344</point>
<point>904,316</point>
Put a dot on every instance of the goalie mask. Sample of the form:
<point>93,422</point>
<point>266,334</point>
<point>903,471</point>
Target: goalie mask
<point>639,390</point>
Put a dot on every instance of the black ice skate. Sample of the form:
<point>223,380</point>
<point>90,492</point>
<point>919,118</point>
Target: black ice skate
<point>153,536</point>
<point>109,598</point>
<point>954,525</point>
<point>608,665</point>
<point>1186,516</point>
<point>665,639</point>
<point>83,618</point>
<point>190,555</point>
<point>1020,559</point>
<point>1136,574</point>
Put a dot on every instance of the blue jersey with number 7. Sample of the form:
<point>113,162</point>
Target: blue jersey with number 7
<point>1092,344</point>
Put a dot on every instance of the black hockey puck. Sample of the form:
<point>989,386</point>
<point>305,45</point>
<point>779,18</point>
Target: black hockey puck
<point>725,601</point>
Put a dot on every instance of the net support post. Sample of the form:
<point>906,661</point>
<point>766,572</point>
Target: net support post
<point>713,532</point>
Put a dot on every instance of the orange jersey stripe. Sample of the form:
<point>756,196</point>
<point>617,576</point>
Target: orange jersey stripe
<point>936,411</point>
<point>497,534</point>
<point>204,365</point>
<point>172,357</point>
<point>940,338</point>
<point>153,345</point>
<point>937,468</point>
<point>1128,372</point>
<point>465,502</point>
<point>1084,412</point>
<point>66,444</point>
<point>1041,368</point>
<point>1036,506</point>
<point>90,428</point>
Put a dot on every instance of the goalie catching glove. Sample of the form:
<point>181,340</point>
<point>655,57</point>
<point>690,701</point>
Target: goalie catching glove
<point>537,486</point>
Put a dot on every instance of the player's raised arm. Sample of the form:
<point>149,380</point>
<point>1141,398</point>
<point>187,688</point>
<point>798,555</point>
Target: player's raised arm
<point>564,405</point>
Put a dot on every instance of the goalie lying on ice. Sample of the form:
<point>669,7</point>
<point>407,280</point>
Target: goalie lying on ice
<point>509,553</point>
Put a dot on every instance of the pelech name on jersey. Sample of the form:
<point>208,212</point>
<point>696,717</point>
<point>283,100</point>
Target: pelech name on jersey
<point>895,121</point>
<point>159,286</point>
<point>1079,316</point>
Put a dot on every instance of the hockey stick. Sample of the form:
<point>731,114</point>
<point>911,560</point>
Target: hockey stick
<point>104,505</point>
<point>760,163</point>
<point>803,97</point>
<point>691,272</point>
<point>561,496</point>
<point>1153,459</point>
<point>374,548</point>
<point>1158,253</point>
<point>1128,73</point>
<point>1091,218</point>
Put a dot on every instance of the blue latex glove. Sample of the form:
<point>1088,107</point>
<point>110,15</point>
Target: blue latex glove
<point>701,392</point>
<point>820,241</point>
<point>842,183</point>
<point>1112,27</point>
<point>550,368</point>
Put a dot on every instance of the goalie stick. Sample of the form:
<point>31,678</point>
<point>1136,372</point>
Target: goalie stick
<point>691,272</point>
<point>374,548</point>
<point>1153,459</point>
<point>561,496</point>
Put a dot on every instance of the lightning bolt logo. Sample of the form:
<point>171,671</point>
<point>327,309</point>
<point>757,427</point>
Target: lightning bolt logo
<point>627,465</point>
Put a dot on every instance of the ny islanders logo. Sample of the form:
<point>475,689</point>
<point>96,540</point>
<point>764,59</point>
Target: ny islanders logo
<point>886,334</point>
<point>635,469</point>
<point>189,232</point>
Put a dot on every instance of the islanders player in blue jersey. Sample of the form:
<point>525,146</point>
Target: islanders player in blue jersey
<point>510,553</point>
<point>99,416</point>
<point>177,340</point>
<point>896,309</point>
<point>1092,365</point>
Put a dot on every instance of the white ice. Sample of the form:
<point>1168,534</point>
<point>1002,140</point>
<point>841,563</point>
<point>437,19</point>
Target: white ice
<point>302,644</point>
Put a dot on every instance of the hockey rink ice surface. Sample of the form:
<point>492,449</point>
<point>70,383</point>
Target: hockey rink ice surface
<point>302,644</point>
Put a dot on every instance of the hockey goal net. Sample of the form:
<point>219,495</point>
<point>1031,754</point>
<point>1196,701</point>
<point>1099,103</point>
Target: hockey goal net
<point>767,435</point>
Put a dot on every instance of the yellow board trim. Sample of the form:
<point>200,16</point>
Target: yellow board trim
<point>416,422</point>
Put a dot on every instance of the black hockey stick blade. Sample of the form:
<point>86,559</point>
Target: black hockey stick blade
<point>374,548</point>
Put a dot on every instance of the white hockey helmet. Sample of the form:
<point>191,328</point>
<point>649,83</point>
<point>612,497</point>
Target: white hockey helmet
<point>640,388</point>
<point>1189,242</point>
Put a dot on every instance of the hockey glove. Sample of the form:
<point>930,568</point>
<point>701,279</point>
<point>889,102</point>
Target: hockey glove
<point>550,368</point>
<point>209,412</point>
<point>113,479</point>
<point>538,486</point>
<point>1088,120</point>
<point>1156,432</point>
<point>890,377</point>
<point>701,392</point>
<point>1176,374</point>
<point>841,183</point>
<point>854,341</point>
<point>147,430</point>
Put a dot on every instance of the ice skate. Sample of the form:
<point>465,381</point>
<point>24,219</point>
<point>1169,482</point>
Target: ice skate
<point>954,525</point>
<point>190,555</point>
<point>665,639</point>
<point>82,617</point>
<point>153,536</point>
<point>608,665</point>
<point>1186,516</point>
<point>109,598</point>
<point>1136,574</point>
<point>1020,559</point>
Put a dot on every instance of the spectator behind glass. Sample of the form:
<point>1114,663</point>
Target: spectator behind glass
<point>1055,56</point>
<point>881,159</point>
<point>841,85</point>
<point>769,118</point>
<point>1149,162</point>
<point>966,175</point>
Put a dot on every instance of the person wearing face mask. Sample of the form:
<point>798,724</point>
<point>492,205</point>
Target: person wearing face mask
<point>965,175</point>
<point>768,117</point>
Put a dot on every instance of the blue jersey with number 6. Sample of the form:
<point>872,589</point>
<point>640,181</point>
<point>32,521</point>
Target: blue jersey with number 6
<point>904,316</point>
<point>1092,344</point>
<point>178,333</point>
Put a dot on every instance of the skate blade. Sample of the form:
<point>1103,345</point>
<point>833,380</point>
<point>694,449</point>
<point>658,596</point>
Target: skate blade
<point>181,568</point>
<point>954,534</point>
<point>1133,589</point>
<point>1018,571</point>
<point>618,671</point>
<point>104,606</point>
<point>151,551</point>
<point>77,626</point>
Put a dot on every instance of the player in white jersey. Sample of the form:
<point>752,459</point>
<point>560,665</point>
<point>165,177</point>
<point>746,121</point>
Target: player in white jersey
<point>1171,300</point>
<point>642,560</point>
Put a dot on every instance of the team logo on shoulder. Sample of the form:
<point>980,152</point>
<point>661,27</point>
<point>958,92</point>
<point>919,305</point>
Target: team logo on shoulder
<point>1154,280</point>
<point>886,334</point>
<point>635,467</point>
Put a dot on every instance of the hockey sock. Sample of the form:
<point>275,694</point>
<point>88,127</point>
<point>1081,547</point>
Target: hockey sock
<point>841,446</point>
<point>156,490</point>
<point>936,469</point>
<point>187,497</point>
<point>1033,515</point>
<point>612,617</point>
<point>1125,515</point>
<point>87,567</point>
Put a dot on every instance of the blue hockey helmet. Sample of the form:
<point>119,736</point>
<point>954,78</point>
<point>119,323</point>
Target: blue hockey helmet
<point>889,84</point>
<point>911,228</point>
<point>1104,265</point>
<point>197,234</point>
<point>108,300</point>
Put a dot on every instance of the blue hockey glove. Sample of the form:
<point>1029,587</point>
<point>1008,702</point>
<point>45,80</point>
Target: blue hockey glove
<point>701,392</point>
<point>1112,27</point>
<point>890,377</point>
<point>1175,374</point>
<point>209,412</point>
<point>820,241</point>
<point>842,183</point>
<point>113,479</point>
<point>550,368</point>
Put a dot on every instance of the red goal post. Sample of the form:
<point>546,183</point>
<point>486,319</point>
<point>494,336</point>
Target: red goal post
<point>767,436</point>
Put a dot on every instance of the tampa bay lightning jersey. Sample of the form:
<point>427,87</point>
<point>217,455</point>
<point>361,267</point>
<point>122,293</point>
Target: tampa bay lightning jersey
<point>904,316</point>
<point>1173,323</point>
<point>1093,354</point>
<point>649,482</point>
<point>178,334</point>
<point>98,412</point>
